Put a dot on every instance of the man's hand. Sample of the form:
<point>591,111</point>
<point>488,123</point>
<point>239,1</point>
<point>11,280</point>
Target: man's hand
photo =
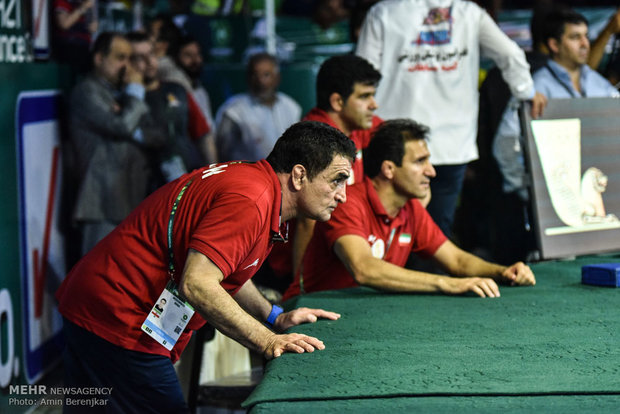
<point>538,105</point>
<point>302,315</point>
<point>481,286</point>
<point>519,274</point>
<point>296,343</point>
<point>133,75</point>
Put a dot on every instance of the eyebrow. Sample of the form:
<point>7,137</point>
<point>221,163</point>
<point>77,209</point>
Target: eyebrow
<point>342,177</point>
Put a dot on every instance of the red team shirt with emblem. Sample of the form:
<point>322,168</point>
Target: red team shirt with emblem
<point>228,213</point>
<point>390,238</point>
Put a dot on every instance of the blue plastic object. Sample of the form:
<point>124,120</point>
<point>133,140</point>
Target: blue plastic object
<point>603,274</point>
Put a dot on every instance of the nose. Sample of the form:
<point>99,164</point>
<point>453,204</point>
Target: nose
<point>430,170</point>
<point>373,103</point>
<point>341,194</point>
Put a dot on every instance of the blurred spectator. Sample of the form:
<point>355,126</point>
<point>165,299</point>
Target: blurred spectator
<point>188,57</point>
<point>110,129</point>
<point>74,24</point>
<point>565,75</point>
<point>248,124</point>
<point>429,56</point>
<point>165,36</point>
<point>173,109</point>
<point>326,13</point>
<point>357,16</point>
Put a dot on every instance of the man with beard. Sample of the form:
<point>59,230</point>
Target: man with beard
<point>174,109</point>
<point>248,124</point>
<point>110,128</point>
<point>188,57</point>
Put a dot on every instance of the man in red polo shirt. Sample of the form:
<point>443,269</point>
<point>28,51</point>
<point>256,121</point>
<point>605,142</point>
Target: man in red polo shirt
<point>368,240</point>
<point>196,242</point>
<point>345,99</point>
<point>345,94</point>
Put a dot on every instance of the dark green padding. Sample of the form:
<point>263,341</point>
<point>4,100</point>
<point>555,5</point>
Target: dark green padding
<point>559,337</point>
<point>554,404</point>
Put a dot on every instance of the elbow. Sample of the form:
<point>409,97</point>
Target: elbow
<point>189,289</point>
<point>360,275</point>
<point>185,289</point>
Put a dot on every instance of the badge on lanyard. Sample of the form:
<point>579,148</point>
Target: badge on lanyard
<point>168,317</point>
<point>171,313</point>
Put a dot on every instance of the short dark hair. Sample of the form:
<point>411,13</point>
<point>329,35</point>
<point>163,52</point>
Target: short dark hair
<point>103,43</point>
<point>311,144</point>
<point>170,34</point>
<point>339,74</point>
<point>556,20</point>
<point>259,57</point>
<point>388,143</point>
<point>184,40</point>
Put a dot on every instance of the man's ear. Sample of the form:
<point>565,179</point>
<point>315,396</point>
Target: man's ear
<point>97,58</point>
<point>553,45</point>
<point>336,102</point>
<point>298,176</point>
<point>387,169</point>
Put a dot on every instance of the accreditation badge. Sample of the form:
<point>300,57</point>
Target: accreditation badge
<point>168,318</point>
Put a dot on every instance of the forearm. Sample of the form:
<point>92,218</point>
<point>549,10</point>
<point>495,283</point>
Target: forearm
<point>226,315</point>
<point>201,287</point>
<point>379,274</point>
<point>597,49</point>
<point>65,20</point>
<point>508,57</point>
<point>252,301</point>
<point>468,265</point>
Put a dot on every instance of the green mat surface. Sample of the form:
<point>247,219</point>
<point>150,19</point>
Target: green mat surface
<point>557,339</point>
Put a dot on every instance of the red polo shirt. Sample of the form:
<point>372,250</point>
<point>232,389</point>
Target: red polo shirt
<point>390,238</point>
<point>228,213</point>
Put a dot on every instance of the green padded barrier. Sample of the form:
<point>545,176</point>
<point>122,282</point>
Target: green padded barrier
<point>557,338</point>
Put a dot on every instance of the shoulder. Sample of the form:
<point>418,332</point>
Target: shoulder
<point>542,77</point>
<point>173,86</point>
<point>235,101</point>
<point>88,88</point>
<point>252,179</point>
<point>232,105</point>
<point>287,100</point>
<point>600,80</point>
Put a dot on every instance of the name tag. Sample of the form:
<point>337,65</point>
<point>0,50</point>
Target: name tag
<point>168,318</point>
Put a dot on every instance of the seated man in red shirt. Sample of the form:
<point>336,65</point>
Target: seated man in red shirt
<point>196,242</point>
<point>345,95</point>
<point>345,99</point>
<point>368,240</point>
